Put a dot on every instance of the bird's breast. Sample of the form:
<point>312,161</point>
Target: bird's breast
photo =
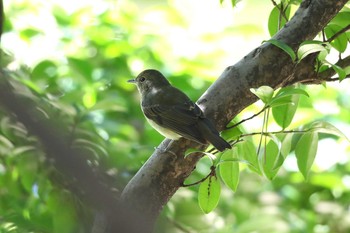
<point>164,131</point>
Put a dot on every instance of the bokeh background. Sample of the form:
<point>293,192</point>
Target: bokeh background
<point>78,55</point>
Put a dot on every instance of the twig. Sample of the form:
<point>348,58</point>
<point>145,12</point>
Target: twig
<point>251,117</point>
<point>283,13</point>
<point>323,35</point>
<point>212,173</point>
<point>275,132</point>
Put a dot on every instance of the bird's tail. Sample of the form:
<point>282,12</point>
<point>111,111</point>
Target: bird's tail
<point>212,135</point>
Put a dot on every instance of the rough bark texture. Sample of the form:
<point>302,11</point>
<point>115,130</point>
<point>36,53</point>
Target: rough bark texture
<point>164,172</point>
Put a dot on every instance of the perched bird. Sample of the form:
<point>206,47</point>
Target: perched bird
<point>172,113</point>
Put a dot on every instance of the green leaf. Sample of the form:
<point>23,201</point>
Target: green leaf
<point>291,90</point>
<point>231,134</point>
<point>276,21</point>
<point>284,47</point>
<point>229,171</point>
<point>27,167</point>
<point>28,33</point>
<point>341,19</point>
<point>209,194</point>
<point>283,114</point>
<point>327,128</point>
<point>44,70</point>
<point>279,99</point>
<point>340,43</point>
<point>340,71</point>
<point>264,93</point>
<point>82,67</point>
<point>286,145</point>
<point>272,154</point>
<point>61,16</point>
<point>309,47</point>
<point>234,2</point>
<point>247,151</point>
<point>305,152</point>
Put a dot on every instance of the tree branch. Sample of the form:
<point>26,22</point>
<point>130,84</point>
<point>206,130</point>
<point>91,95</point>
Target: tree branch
<point>71,162</point>
<point>164,172</point>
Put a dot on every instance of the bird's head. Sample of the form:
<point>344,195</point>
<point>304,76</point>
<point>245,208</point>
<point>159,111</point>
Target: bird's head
<point>148,80</point>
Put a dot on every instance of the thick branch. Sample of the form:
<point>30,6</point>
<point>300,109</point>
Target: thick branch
<point>164,172</point>
<point>70,162</point>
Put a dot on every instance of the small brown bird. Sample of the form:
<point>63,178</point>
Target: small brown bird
<point>172,113</point>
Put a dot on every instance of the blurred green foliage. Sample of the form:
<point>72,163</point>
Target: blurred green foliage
<point>78,57</point>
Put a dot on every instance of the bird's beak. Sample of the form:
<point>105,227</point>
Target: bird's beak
<point>132,81</point>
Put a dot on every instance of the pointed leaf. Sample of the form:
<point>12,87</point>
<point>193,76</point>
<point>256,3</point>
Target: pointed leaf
<point>291,90</point>
<point>328,128</point>
<point>276,21</point>
<point>286,145</point>
<point>231,134</point>
<point>310,47</point>
<point>272,154</point>
<point>284,114</point>
<point>340,71</point>
<point>209,194</point>
<point>284,47</point>
<point>229,171</point>
<point>247,151</point>
<point>264,93</point>
<point>340,43</point>
<point>305,152</point>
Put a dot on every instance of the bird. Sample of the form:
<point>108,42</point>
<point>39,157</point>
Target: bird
<point>172,113</point>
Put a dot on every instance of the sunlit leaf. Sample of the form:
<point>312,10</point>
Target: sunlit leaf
<point>340,43</point>
<point>29,33</point>
<point>231,134</point>
<point>341,19</point>
<point>276,21</point>
<point>284,47</point>
<point>229,171</point>
<point>209,194</point>
<point>89,98</point>
<point>340,71</point>
<point>327,128</point>
<point>284,114</point>
<point>287,91</point>
<point>247,151</point>
<point>286,144</point>
<point>264,93</point>
<point>305,152</point>
<point>271,157</point>
<point>44,70</point>
<point>309,47</point>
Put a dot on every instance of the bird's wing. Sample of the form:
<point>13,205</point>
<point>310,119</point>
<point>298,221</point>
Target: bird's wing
<point>181,118</point>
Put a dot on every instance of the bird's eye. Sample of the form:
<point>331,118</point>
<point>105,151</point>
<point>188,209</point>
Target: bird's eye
<point>142,79</point>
